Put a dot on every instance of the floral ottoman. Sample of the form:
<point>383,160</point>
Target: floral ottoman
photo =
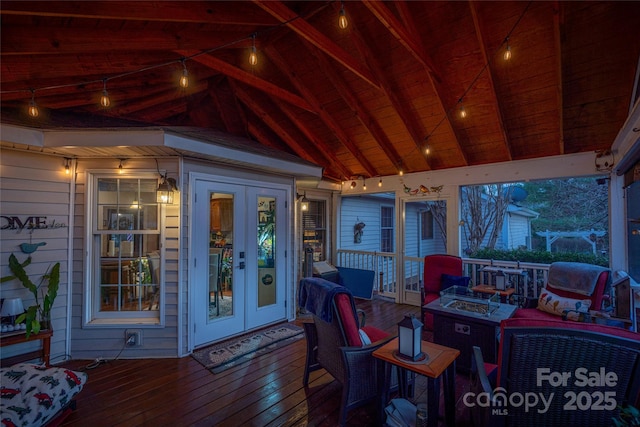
<point>33,395</point>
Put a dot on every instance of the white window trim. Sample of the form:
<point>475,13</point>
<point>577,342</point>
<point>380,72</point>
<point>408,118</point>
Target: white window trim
<point>126,318</point>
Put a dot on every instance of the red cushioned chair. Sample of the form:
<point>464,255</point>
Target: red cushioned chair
<point>434,267</point>
<point>338,347</point>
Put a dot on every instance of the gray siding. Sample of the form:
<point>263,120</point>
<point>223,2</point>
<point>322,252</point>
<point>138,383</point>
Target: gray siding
<point>36,185</point>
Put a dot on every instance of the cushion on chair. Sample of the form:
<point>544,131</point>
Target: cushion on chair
<point>33,395</point>
<point>448,280</point>
<point>351,327</point>
<point>555,304</point>
<point>437,265</point>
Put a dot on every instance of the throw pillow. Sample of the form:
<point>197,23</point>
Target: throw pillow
<point>447,280</point>
<point>555,304</point>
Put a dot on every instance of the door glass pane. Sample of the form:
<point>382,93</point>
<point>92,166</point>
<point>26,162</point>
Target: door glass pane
<point>220,255</point>
<point>266,251</point>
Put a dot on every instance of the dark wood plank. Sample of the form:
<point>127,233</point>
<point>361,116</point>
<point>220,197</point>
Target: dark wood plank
<point>266,391</point>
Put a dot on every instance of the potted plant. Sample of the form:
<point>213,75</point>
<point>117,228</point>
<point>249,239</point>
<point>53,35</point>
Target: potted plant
<point>38,316</point>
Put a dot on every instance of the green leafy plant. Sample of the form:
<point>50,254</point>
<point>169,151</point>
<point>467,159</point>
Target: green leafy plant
<point>37,316</point>
<point>629,416</point>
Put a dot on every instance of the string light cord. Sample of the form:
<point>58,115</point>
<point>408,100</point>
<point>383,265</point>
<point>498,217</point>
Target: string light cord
<point>181,60</point>
<point>450,111</point>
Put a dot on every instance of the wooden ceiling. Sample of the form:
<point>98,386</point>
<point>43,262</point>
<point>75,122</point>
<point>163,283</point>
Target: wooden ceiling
<point>363,101</point>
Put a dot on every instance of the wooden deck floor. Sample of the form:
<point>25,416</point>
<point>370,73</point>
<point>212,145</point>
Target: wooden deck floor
<point>267,391</point>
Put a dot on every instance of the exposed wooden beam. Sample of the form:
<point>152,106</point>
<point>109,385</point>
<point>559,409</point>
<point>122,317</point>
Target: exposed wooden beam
<point>227,104</point>
<point>203,12</point>
<point>316,38</point>
<point>399,31</point>
<point>557,22</point>
<point>407,119</point>
<point>326,118</point>
<point>73,40</point>
<point>275,126</point>
<point>323,147</point>
<point>247,78</point>
<point>356,106</point>
<point>493,100</point>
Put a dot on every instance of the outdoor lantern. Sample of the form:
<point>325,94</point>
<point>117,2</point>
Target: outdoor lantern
<point>164,193</point>
<point>500,281</point>
<point>410,338</point>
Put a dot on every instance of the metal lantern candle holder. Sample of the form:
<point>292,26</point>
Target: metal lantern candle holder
<point>410,338</point>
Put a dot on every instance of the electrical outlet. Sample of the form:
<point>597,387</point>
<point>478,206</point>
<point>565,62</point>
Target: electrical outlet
<point>133,337</point>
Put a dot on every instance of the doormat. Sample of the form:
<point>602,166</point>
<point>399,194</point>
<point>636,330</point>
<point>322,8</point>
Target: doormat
<point>224,355</point>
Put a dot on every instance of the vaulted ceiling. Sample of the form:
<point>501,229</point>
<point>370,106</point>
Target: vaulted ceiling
<point>361,101</point>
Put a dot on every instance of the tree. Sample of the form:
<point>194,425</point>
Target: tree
<point>483,211</point>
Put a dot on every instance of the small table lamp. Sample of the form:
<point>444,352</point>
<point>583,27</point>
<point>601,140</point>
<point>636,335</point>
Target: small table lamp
<point>410,338</point>
<point>12,307</point>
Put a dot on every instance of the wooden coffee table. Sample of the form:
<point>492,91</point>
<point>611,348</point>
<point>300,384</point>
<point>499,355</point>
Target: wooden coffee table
<point>441,362</point>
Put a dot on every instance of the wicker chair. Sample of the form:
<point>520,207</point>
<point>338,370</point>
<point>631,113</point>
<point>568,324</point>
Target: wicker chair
<point>582,352</point>
<point>337,347</point>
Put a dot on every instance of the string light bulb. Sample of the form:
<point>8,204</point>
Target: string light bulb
<point>507,51</point>
<point>104,99</point>
<point>364,184</point>
<point>253,55</point>
<point>380,183</point>
<point>342,17</point>
<point>400,172</point>
<point>67,169</point>
<point>120,169</point>
<point>33,108</point>
<point>427,150</point>
<point>184,79</point>
<point>463,112</point>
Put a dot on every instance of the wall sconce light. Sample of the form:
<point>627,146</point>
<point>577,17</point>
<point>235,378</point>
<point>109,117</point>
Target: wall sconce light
<point>304,203</point>
<point>353,184</point>
<point>410,338</point>
<point>164,193</point>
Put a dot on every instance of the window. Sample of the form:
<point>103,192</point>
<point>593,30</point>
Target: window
<point>125,247</point>
<point>426,225</point>
<point>314,229</point>
<point>386,229</point>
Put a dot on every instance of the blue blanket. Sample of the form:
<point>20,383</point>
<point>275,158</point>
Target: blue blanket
<point>316,294</point>
<point>575,277</point>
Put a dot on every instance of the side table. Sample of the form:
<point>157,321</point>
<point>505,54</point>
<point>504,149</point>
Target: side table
<point>488,289</point>
<point>20,337</point>
<point>440,363</point>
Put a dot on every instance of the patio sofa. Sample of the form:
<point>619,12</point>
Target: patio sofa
<point>572,290</point>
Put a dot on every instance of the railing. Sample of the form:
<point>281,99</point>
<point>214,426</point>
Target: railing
<point>527,277</point>
<point>382,263</point>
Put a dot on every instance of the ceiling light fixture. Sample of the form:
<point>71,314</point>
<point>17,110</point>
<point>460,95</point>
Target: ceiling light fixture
<point>342,17</point>
<point>104,99</point>
<point>184,79</point>
<point>253,55</point>
<point>33,108</point>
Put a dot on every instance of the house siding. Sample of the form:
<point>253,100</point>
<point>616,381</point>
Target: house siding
<point>101,340</point>
<point>36,185</point>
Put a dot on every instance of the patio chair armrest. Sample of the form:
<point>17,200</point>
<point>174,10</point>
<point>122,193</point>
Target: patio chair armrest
<point>362,317</point>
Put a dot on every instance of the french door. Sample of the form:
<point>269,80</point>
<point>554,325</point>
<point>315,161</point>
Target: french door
<point>238,264</point>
